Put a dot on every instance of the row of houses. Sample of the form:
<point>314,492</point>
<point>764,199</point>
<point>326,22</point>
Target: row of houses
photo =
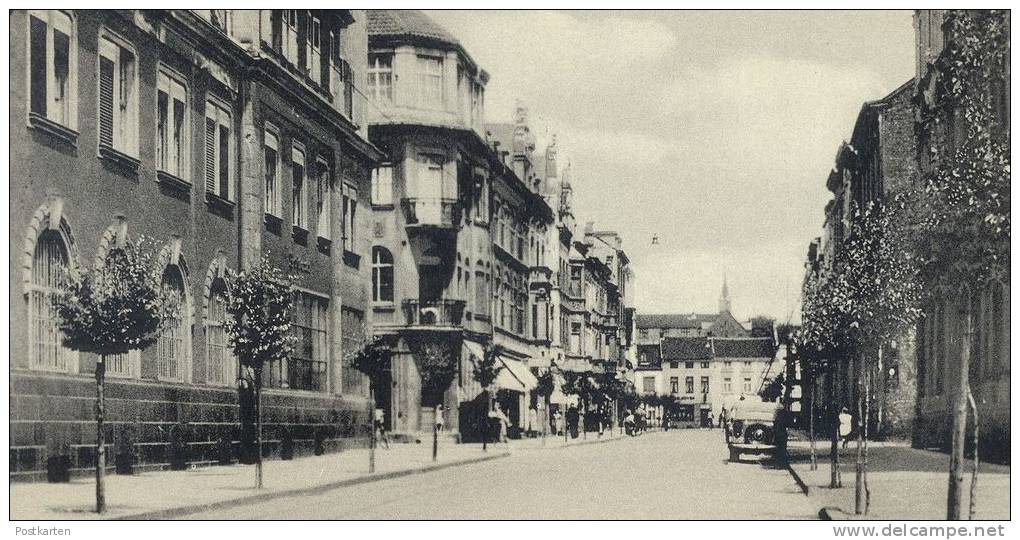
<point>893,143</point>
<point>353,140</point>
<point>707,362</point>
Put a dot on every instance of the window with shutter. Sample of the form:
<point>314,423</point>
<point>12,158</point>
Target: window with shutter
<point>210,156</point>
<point>217,150</point>
<point>272,153</point>
<point>322,198</point>
<point>299,202</point>
<point>171,144</point>
<point>106,67</point>
<point>314,48</point>
<point>118,96</point>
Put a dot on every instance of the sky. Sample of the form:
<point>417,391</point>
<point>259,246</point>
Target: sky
<point>713,130</point>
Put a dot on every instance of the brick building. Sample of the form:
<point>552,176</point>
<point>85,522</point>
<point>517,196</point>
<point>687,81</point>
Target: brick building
<point>222,135</point>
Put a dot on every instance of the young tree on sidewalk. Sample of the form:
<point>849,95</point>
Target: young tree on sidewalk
<point>112,309</point>
<point>544,389</point>
<point>437,366</point>
<point>259,328</point>
<point>371,360</point>
<point>484,371</point>
<point>882,303</point>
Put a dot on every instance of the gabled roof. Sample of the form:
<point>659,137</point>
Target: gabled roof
<point>743,347</point>
<point>675,320</point>
<point>648,357</point>
<point>686,348</point>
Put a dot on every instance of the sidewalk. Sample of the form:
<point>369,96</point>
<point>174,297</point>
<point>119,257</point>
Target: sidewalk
<point>171,494</point>
<point>905,483</point>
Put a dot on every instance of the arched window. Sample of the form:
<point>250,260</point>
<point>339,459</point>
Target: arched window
<point>171,348</point>
<point>221,365</point>
<point>49,263</point>
<point>382,275</point>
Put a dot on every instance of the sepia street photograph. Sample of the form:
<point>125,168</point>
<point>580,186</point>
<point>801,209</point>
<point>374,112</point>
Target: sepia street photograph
<point>740,266</point>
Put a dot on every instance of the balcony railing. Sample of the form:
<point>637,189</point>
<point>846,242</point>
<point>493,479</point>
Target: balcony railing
<point>437,313</point>
<point>541,277</point>
<point>296,374</point>
<point>431,212</point>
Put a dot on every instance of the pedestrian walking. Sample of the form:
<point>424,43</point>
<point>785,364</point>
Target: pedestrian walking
<point>628,423</point>
<point>845,426</point>
<point>711,421</point>
<point>532,422</point>
<point>440,421</point>
<point>380,427</point>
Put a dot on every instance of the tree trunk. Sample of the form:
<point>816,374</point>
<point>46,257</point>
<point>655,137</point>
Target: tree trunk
<point>974,471</point>
<point>371,423</point>
<point>834,479</point>
<point>868,382</point>
<point>258,427</point>
<point>859,469</point>
<point>545,424</point>
<point>811,425</point>
<point>486,424</point>
<point>100,436</point>
<point>435,434</point>
<point>954,499</point>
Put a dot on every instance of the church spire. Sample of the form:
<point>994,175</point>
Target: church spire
<point>724,298</point>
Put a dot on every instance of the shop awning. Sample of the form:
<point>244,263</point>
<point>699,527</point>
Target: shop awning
<point>557,395</point>
<point>475,349</point>
<point>515,376</point>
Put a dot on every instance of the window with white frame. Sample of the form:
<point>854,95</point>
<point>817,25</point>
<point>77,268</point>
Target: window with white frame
<point>172,345</point>
<point>218,163</point>
<point>352,337</point>
<point>727,385</point>
<point>323,200</point>
<point>380,77</point>
<point>350,208</point>
<point>382,184</point>
<point>49,265</point>
<point>221,364</point>
<point>382,275</point>
<point>674,385</point>
<point>52,61</point>
<point>299,194</point>
<point>430,81</point>
<point>289,37</point>
<point>307,366</point>
<point>272,165</point>
<point>747,385</point>
<point>314,53</point>
<point>689,385</point>
<point>118,95</point>
<point>171,124</point>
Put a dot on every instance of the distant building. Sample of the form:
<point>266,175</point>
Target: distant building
<point>653,327</point>
<point>707,374</point>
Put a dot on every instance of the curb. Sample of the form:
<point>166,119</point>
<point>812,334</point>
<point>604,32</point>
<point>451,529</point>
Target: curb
<point>180,511</point>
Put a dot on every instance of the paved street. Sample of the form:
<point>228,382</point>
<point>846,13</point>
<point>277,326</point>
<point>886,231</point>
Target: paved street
<point>625,479</point>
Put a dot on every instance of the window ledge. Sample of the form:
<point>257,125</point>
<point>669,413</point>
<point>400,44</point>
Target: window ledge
<point>300,234</point>
<point>384,306</point>
<point>325,245</point>
<point>173,181</point>
<point>219,204</point>
<point>352,259</point>
<point>117,157</point>
<point>382,206</point>
<point>45,125</point>
<point>273,223</point>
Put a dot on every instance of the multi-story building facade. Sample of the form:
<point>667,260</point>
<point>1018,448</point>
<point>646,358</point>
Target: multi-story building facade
<point>941,131</point>
<point>224,135</point>
<point>459,231</point>
<point>707,374</point>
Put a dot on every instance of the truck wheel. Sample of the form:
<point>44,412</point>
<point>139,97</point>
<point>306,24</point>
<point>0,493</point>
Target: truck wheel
<point>734,455</point>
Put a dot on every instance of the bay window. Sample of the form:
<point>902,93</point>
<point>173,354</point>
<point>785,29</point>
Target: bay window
<point>430,81</point>
<point>382,185</point>
<point>380,77</point>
